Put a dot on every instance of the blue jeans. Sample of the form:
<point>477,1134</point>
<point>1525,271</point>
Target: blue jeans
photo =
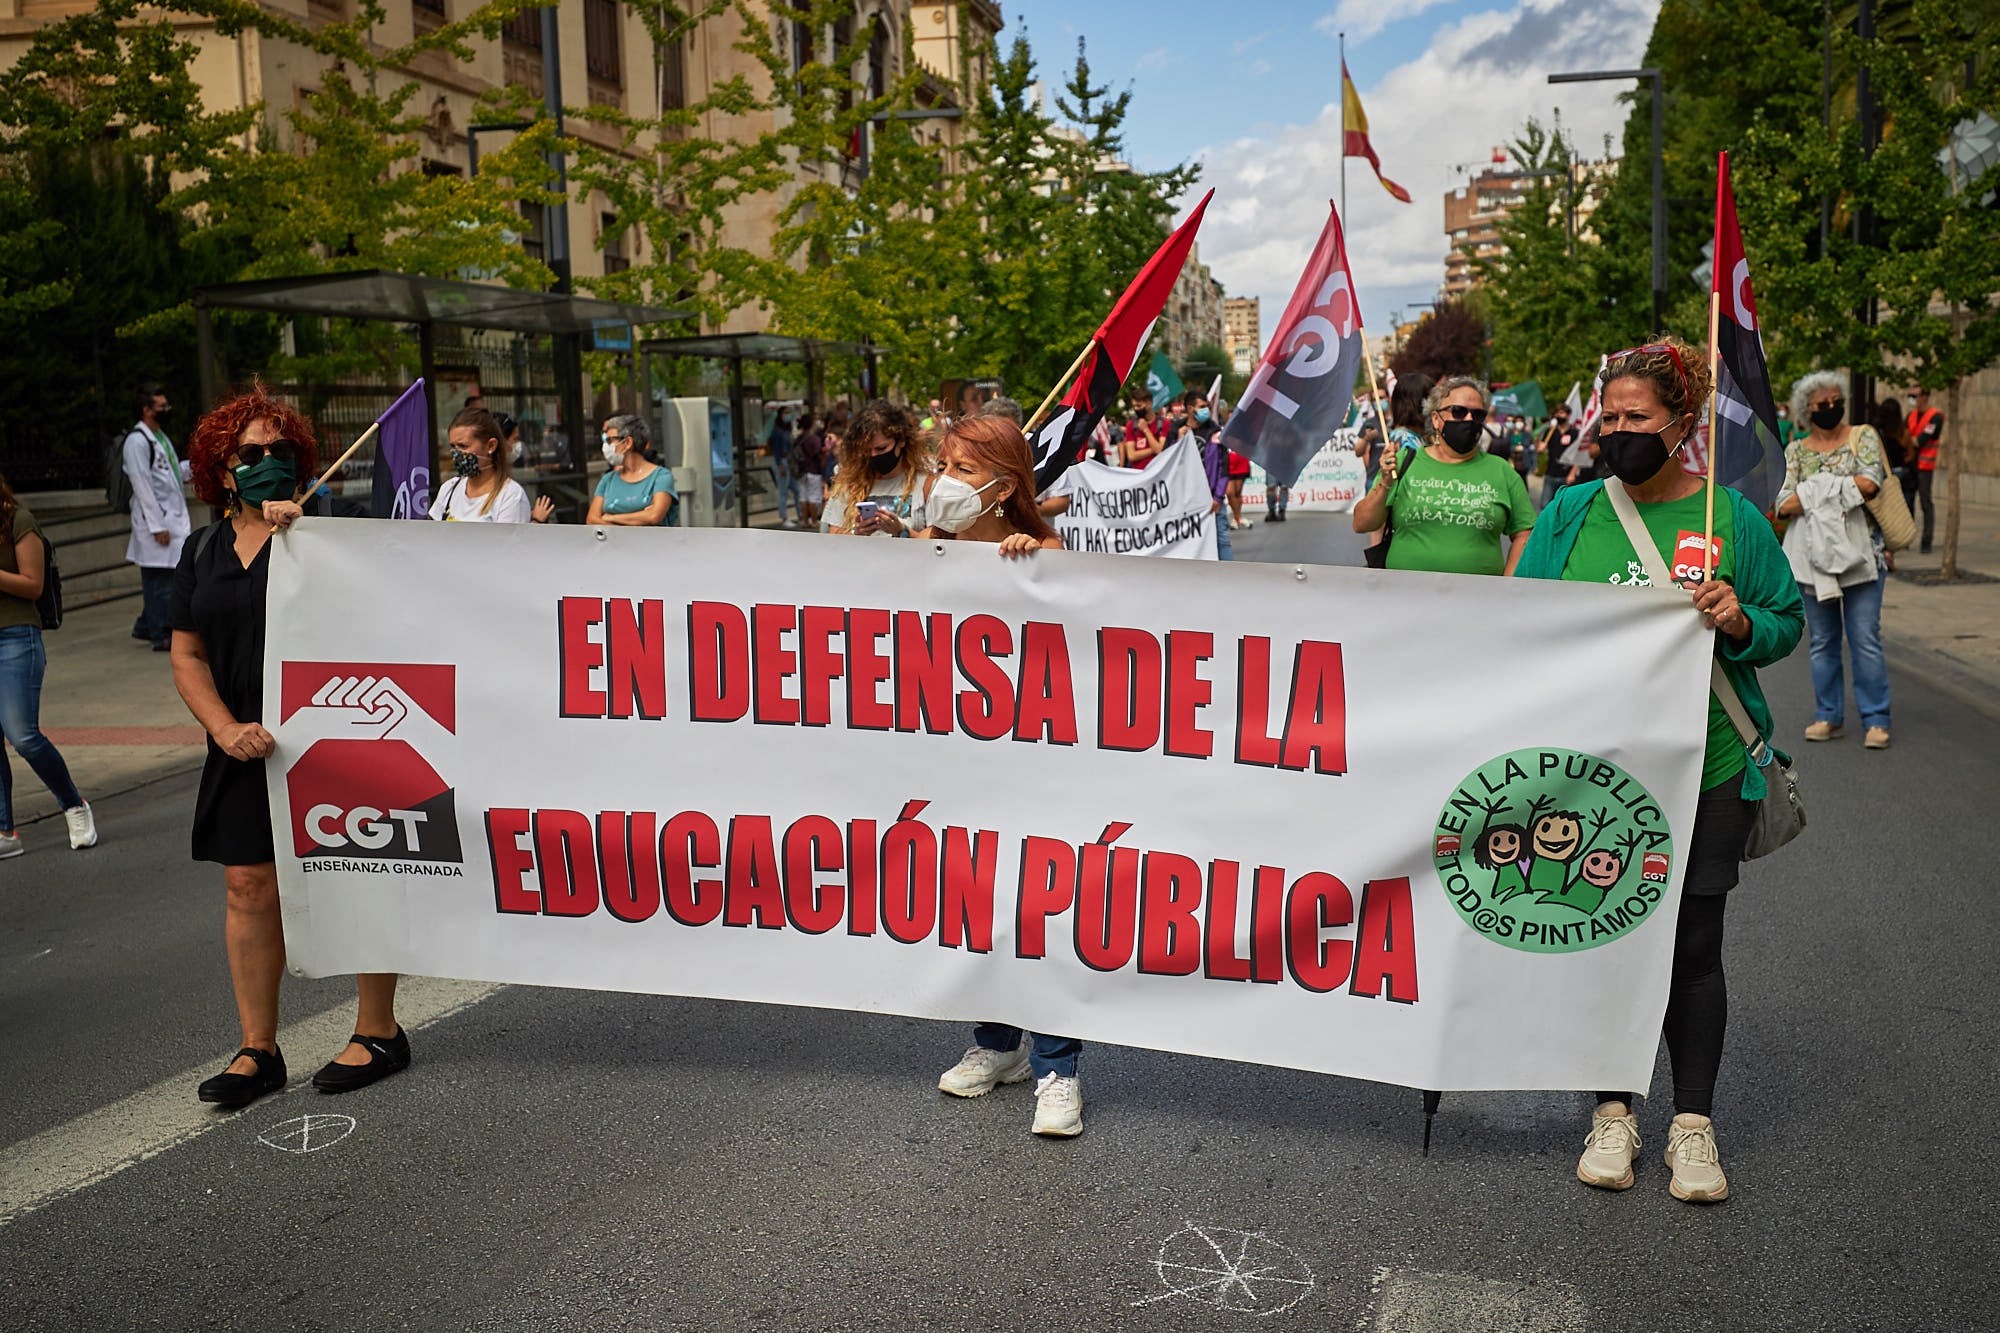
<point>788,489</point>
<point>1047,1055</point>
<point>1220,518</point>
<point>1859,614</point>
<point>22,662</point>
<point>156,610</point>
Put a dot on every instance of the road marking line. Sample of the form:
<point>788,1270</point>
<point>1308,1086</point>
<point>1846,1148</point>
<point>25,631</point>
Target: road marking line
<point>99,1144</point>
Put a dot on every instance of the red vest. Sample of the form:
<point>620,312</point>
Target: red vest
<point>1917,424</point>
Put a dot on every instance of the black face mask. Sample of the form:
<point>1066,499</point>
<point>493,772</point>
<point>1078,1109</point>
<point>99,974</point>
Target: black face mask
<point>883,464</point>
<point>1632,456</point>
<point>1461,437</point>
<point>1826,418</point>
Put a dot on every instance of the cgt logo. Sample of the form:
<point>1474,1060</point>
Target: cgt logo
<point>361,787</point>
<point>1689,550</point>
<point>1653,867</point>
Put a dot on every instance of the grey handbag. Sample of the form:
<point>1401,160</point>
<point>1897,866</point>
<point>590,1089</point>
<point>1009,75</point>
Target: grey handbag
<point>1781,815</point>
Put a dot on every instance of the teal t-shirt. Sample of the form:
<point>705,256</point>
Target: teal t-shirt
<point>1604,554</point>
<point>629,497</point>
<point>1451,518</point>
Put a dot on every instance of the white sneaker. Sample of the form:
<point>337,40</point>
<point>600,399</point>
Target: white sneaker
<point>1697,1167</point>
<point>1611,1148</point>
<point>1059,1106</point>
<point>10,845</point>
<point>979,1071</point>
<point>82,827</point>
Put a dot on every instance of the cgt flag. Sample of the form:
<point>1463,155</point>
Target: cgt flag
<point>402,484</point>
<point>1302,387</point>
<point>1746,451</point>
<point>1113,352</point>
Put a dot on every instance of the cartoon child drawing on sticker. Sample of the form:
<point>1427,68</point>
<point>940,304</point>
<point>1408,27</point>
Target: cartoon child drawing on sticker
<point>1502,848</point>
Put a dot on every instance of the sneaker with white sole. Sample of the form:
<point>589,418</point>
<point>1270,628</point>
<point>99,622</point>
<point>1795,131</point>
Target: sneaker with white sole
<point>10,845</point>
<point>979,1071</point>
<point>1823,731</point>
<point>82,827</point>
<point>1697,1166</point>
<point>1611,1148</point>
<point>1059,1106</point>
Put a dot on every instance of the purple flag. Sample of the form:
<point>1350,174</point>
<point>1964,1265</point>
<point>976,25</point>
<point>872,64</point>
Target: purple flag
<point>403,458</point>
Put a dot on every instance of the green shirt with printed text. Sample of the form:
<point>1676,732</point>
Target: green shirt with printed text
<point>1452,518</point>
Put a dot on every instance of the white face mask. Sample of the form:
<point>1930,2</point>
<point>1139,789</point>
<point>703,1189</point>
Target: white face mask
<point>612,453</point>
<point>955,506</point>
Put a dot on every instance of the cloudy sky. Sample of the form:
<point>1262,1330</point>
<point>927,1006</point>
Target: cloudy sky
<point>1250,91</point>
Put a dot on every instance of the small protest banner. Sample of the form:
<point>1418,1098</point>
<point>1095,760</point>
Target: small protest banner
<point>1158,510</point>
<point>1333,479</point>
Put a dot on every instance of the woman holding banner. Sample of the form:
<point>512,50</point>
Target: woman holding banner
<point>884,476</point>
<point>1455,509</point>
<point>249,457</point>
<point>985,492</point>
<point>1652,397</point>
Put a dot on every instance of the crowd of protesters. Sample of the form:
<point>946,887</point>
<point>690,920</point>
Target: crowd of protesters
<point>1446,492</point>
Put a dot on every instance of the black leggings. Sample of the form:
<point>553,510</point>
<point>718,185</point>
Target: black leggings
<point>1697,1005</point>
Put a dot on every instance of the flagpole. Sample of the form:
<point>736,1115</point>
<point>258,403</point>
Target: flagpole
<point>1714,386</point>
<point>1374,392</point>
<point>1343,125</point>
<point>366,436</point>
<point>1061,384</point>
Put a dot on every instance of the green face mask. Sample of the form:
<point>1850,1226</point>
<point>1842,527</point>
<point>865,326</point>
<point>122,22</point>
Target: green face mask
<point>267,479</point>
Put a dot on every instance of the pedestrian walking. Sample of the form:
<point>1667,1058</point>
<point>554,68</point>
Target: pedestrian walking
<point>250,457</point>
<point>482,489</point>
<point>23,663</point>
<point>986,493</point>
<point>884,474</point>
<point>1925,427</point>
<point>636,491</point>
<point>159,515</point>
<point>1837,555</point>
<point>1455,508</point>
<point>784,480</point>
<point>1652,397</point>
<point>809,462</point>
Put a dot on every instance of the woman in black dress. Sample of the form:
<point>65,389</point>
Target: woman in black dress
<point>250,457</point>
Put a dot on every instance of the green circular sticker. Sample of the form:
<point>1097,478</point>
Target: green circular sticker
<point>1553,851</point>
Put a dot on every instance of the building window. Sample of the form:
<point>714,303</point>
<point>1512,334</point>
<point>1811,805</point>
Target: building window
<point>673,75</point>
<point>615,258</point>
<point>431,7</point>
<point>532,216</point>
<point>524,29</point>
<point>433,167</point>
<point>600,42</point>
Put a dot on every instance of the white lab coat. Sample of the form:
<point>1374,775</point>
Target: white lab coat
<point>158,503</point>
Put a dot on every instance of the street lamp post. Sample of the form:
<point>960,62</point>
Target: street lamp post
<point>1659,172</point>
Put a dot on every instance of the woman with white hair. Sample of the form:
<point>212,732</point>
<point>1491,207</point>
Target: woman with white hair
<point>1456,509</point>
<point>637,492</point>
<point>1837,555</point>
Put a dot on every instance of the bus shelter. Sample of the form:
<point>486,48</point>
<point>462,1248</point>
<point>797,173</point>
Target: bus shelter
<point>737,484</point>
<point>565,319</point>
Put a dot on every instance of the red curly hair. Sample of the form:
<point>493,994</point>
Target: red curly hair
<point>217,434</point>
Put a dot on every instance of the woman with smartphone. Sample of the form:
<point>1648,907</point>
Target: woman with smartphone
<point>885,476</point>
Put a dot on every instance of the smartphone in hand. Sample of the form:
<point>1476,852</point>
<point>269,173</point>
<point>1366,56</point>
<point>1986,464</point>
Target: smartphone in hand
<point>865,512</point>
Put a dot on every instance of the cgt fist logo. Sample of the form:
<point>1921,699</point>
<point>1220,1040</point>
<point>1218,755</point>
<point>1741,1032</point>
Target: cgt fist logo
<point>361,787</point>
<point>1689,548</point>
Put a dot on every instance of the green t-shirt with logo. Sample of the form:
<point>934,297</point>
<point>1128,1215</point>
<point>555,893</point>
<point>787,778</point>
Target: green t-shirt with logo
<point>1604,554</point>
<point>1451,518</point>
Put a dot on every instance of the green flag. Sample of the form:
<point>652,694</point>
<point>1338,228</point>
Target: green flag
<point>1161,382</point>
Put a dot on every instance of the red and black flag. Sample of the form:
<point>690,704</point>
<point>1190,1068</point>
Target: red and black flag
<point>1113,352</point>
<point>1746,451</point>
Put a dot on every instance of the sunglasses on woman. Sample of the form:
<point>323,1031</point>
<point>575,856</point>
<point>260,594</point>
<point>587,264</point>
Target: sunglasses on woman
<point>1459,412</point>
<point>249,455</point>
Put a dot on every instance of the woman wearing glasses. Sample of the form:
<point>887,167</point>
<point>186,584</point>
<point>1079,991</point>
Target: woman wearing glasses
<point>1651,399</point>
<point>1455,509</point>
<point>250,457</point>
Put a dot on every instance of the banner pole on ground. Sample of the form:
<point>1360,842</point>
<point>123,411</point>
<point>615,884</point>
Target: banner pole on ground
<point>1061,384</point>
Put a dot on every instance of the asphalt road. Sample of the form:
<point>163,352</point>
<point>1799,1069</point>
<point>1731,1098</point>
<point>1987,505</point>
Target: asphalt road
<point>562,1159</point>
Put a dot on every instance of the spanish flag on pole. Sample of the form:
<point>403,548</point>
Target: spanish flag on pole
<point>1357,144</point>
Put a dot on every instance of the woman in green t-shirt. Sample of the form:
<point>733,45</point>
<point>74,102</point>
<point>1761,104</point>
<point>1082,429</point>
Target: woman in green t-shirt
<point>1456,509</point>
<point>1651,398</point>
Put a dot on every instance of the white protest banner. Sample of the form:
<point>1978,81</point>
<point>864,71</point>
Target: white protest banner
<point>1333,480</point>
<point>1197,807</point>
<point>1158,510</point>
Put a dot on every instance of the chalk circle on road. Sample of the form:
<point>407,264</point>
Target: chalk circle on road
<point>1246,1272</point>
<point>307,1133</point>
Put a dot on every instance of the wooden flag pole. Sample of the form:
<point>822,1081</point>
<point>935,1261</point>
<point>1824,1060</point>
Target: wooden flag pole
<point>1714,386</point>
<point>1061,384</point>
<point>1375,397</point>
<point>366,436</point>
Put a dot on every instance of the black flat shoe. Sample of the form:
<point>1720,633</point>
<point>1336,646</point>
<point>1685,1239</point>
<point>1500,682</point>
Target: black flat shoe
<point>230,1091</point>
<point>386,1056</point>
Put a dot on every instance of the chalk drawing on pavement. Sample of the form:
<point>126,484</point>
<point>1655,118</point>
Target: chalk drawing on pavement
<point>307,1133</point>
<point>1246,1272</point>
